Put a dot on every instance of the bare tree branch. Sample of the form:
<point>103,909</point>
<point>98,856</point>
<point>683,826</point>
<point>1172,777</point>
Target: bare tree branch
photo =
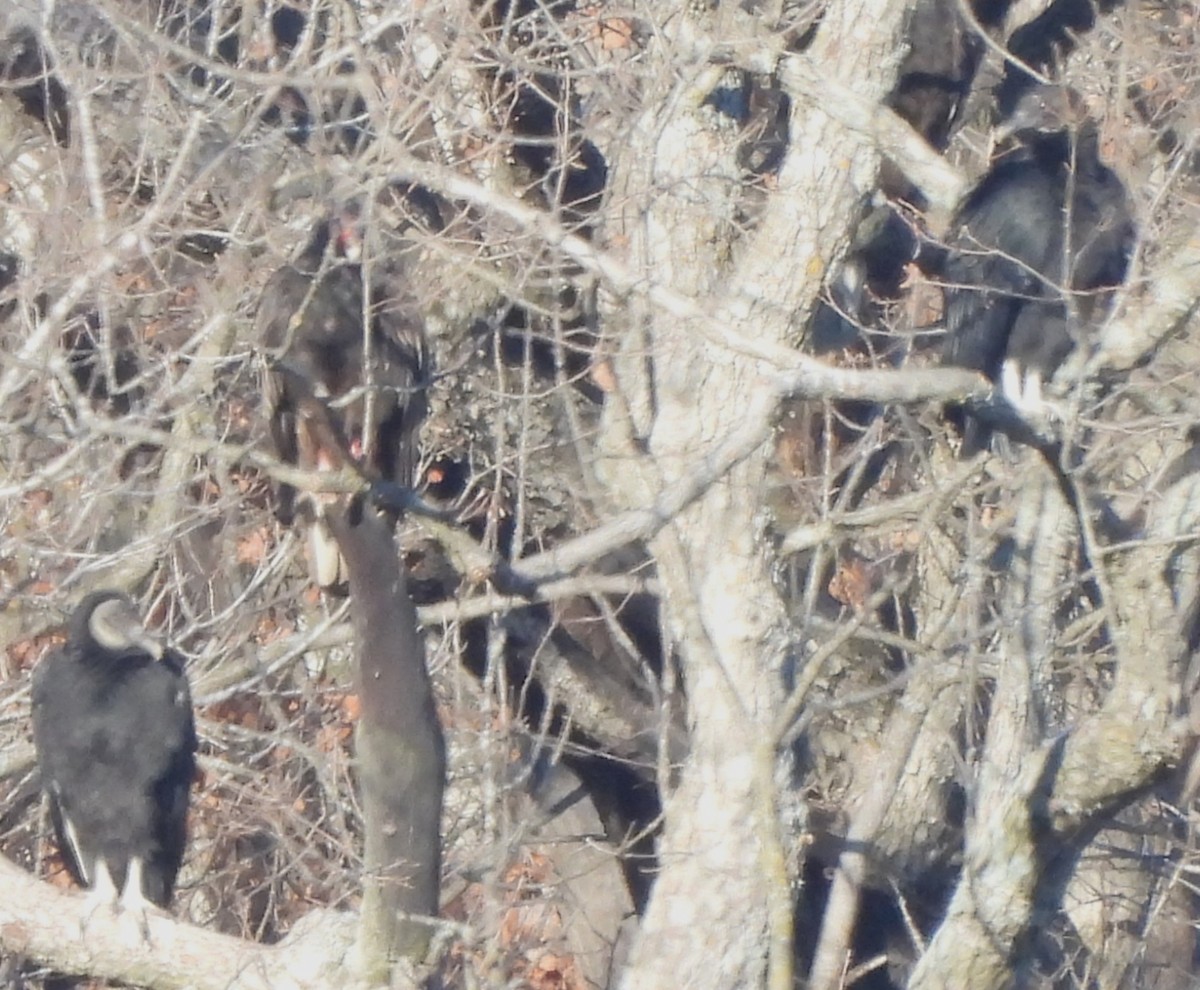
<point>56,929</point>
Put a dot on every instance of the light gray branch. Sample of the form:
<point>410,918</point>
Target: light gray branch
<point>44,924</point>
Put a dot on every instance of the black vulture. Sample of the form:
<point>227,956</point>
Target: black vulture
<point>335,115</point>
<point>1034,253</point>
<point>934,83</point>
<point>1043,45</point>
<point>344,385</point>
<point>108,380</point>
<point>26,69</point>
<point>116,743</point>
<point>10,269</point>
<point>936,76</point>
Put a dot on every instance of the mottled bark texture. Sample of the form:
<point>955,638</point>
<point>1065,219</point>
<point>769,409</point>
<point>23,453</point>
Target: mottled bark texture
<point>678,220</point>
<point>40,923</point>
<point>399,746</point>
<point>1039,801</point>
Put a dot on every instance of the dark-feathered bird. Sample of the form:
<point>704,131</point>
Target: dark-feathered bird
<point>1034,253</point>
<point>936,76</point>
<point>112,722</point>
<point>334,368</point>
<point>10,268</point>
<point>27,70</point>
<point>934,82</point>
<point>1044,44</point>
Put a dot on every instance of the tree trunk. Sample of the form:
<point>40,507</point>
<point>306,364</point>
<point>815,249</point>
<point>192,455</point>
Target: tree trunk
<point>400,750</point>
<point>709,921</point>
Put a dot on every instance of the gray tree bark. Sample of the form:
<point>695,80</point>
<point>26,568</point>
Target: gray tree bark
<point>709,921</point>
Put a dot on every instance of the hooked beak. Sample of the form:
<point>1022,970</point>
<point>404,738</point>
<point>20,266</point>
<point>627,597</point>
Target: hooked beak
<point>151,645</point>
<point>116,625</point>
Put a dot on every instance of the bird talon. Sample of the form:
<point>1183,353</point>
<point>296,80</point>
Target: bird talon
<point>133,928</point>
<point>1010,271</point>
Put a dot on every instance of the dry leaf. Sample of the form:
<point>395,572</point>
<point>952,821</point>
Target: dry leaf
<point>615,33</point>
<point>252,548</point>
<point>851,583</point>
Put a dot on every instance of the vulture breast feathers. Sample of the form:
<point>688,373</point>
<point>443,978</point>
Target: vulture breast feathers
<point>1035,252</point>
<point>346,377</point>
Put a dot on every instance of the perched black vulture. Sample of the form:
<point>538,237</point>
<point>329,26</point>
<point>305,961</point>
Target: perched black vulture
<point>112,722</point>
<point>10,269</point>
<point>1034,253</point>
<point>934,83</point>
<point>1043,45</point>
<point>110,384</point>
<point>937,75</point>
<point>27,71</point>
<point>344,385</point>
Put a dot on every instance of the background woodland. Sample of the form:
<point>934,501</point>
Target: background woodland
<point>746,678</point>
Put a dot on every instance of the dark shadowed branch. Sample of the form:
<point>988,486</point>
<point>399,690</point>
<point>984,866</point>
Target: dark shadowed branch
<point>401,755</point>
